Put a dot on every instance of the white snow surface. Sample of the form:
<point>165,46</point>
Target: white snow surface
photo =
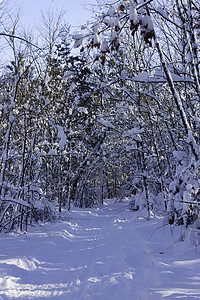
<point>107,252</point>
<point>62,136</point>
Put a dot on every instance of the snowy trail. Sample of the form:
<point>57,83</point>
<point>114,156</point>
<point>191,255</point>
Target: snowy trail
<point>101,253</point>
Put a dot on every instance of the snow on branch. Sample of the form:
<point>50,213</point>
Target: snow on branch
<point>143,77</point>
<point>62,136</point>
<point>106,123</point>
<point>17,201</point>
<point>115,19</point>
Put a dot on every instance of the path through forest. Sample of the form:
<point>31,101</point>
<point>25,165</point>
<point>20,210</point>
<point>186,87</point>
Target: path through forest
<point>104,253</point>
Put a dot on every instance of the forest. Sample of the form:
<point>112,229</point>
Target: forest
<point>109,111</point>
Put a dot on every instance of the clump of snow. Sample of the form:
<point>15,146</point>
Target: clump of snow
<point>130,148</point>
<point>104,46</point>
<point>108,21</point>
<point>52,152</point>
<point>11,118</point>
<point>116,24</point>
<point>37,189</point>
<point>68,74</point>
<point>133,14</point>
<point>147,22</point>
<point>131,132</point>
<point>106,123</point>
<point>78,40</point>
<point>62,136</point>
<point>96,40</point>
<point>114,36</point>
<point>179,155</point>
<point>111,11</point>
<point>83,110</point>
<point>143,77</point>
<point>96,28</point>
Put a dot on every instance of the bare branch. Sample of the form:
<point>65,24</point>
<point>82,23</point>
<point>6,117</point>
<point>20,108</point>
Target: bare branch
<point>19,38</point>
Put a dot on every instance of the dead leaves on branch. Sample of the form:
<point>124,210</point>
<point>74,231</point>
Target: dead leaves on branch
<point>121,7</point>
<point>116,20</point>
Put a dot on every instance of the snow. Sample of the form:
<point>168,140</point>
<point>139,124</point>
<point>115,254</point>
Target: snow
<point>147,22</point>
<point>96,40</point>
<point>37,189</point>
<point>108,21</point>
<point>68,74</point>
<point>62,136</point>
<point>114,36</point>
<point>112,11</point>
<point>159,77</point>
<point>107,252</point>
<point>11,118</point>
<point>96,28</point>
<point>143,76</point>
<point>106,123</point>
<point>78,40</point>
<point>104,48</point>
<point>133,14</point>
<point>130,148</point>
<point>83,110</point>
<point>162,12</point>
<point>177,78</point>
<point>135,134</point>
<point>116,23</point>
<point>17,201</point>
<point>133,131</point>
<point>52,152</point>
<point>180,155</point>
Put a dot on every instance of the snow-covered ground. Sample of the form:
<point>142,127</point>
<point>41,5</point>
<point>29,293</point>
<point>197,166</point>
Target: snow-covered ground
<point>100,253</point>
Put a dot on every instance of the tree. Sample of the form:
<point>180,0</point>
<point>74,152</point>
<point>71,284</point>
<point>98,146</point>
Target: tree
<point>174,115</point>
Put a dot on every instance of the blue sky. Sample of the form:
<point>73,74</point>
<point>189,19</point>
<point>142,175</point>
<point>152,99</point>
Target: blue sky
<point>76,14</point>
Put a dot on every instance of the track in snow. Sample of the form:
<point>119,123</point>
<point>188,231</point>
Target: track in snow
<point>101,253</point>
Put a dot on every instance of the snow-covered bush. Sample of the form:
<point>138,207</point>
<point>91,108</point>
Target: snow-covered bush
<point>184,193</point>
<point>43,211</point>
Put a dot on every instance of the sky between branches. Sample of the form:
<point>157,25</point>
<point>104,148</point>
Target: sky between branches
<point>76,12</point>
